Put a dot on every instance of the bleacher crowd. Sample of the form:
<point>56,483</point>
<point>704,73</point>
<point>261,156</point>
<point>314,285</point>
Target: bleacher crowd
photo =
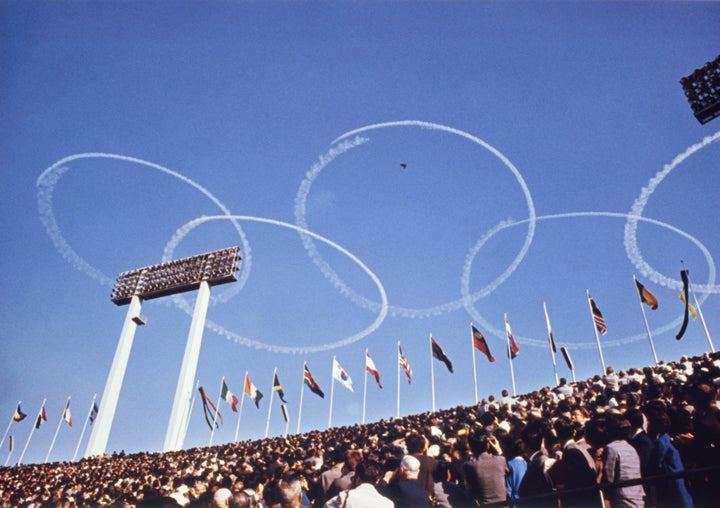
<point>574,445</point>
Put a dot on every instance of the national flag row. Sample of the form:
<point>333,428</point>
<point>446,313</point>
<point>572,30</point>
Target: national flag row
<point>66,416</point>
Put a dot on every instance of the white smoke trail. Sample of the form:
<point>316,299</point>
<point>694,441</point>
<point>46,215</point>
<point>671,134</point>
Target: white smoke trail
<point>329,273</point>
<point>49,178</point>
<point>500,333</point>
<point>631,242</point>
<point>189,226</point>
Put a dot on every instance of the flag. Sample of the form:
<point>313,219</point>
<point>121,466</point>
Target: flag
<point>565,354</point>
<point>310,382</point>
<point>438,353</point>
<point>597,317</point>
<point>550,334</point>
<point>646,296</point>
<point>404,364</point>
<point>19,415</point>
<point>685,289</point>
<point>284,412</point>
<point>513,349</point>
<point>278,388</point>
<point>252,391</point>
<point>342,376</point>
<point>93,413</point>
<point>207,405</point>
<point>370,367</point>
<point>480,344</point>
<point>66,414</point>
<point>693,312</point>
<point>11,444</point>
<point>229,396</point>
<point>41,417</point>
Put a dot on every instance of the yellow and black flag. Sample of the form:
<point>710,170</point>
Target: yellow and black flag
<point>278,388</point>
<point>646,296</point>
<point>685,289</point>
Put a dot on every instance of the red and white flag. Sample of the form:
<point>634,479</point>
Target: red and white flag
<point>370,367</point>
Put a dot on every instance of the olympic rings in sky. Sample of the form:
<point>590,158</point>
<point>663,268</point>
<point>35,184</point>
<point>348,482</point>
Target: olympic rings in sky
<point>185,229</point>
<point>345,145</point>
<point>465,284</point>
<point>49,178</point>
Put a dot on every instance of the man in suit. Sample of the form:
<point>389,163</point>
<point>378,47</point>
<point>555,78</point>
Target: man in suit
<point>403,486</point>
<point>535,481</point>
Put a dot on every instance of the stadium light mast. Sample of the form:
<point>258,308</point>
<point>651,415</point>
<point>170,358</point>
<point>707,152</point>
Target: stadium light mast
<point>702,89</point>
<point>131,288</point>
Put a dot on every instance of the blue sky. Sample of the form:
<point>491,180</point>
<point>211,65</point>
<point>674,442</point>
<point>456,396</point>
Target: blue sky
<point>529,130</point>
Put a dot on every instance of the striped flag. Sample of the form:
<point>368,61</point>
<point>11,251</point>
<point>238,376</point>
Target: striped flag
<point>370,367</point>
<point>310,382</point>
<point>252,391</point>
<point>646,296</point>
<point>693,312</point>
<point>480,343</point>
<point>93,413</point>
<point>207,405</point>
<point>42,417</point>
<point>278,388</point>
<point>229,396</point>
<point>438,353</point>
<point>513,349</point>
<point>18,416</point>
<point>66,414</point>
<point>404,364</point>
<point>597,316</point>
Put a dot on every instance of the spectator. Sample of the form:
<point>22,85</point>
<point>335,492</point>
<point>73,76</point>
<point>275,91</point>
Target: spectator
<point>575,469</point>
<point>403,487</point>
<point>485,471</point>
<point>417,446</point>
<point>364,494</point>
<point>535,480</point>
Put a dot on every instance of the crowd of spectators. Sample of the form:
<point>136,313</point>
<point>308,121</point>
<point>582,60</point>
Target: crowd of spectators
<point>574,445</point>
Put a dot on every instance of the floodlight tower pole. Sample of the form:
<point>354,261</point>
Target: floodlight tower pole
<point>108,403</point>
<point>176,430</point>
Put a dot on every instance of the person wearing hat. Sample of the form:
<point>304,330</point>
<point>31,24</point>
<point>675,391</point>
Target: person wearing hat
<point>403,487</point>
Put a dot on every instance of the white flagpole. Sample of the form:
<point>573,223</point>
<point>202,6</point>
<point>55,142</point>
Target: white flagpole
<point>364,388</point>
<point>217,410</point>
<point>647,326</point>
<point>432,374</point>
<point>597,336</point>
<point>472,351</point>
<point>509,355</point>
<point>302,392</point>
<point>82,433</point>
<point>32,429</point>
<point>9,425</point>
<point>550,343</point>
<point>272,392</point>
<point>397,414</point>
<point>332,393</point>
<point>186,423</point>
<point>242,402</point>
<point>699,311</point>
<point>57,430</point>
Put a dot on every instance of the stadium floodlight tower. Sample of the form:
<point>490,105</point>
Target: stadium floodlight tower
<point>702,89</point>
<point>173,277</point>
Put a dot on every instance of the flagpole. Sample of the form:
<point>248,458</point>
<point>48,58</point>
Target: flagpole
<point>365,388</point>
<point>332,394</point>
<point>242,401</point>
<point>509,355</point>
<point>11,449</point>
<point>57,430</point>
<point>12,419</point>
<point>302,392</point>
<point>551,342</point>
<point>272,392</point>
<point>432,374</point>
<point>597,336</point>
<point>647,326</point>
<point>186,423</point>
<point>699,311</point>
<point>217,410</point>
<point>472,351</point>
<point>31,432</point>
<point>397,413</point>
<point>287,422</point>
<point>82,433</point>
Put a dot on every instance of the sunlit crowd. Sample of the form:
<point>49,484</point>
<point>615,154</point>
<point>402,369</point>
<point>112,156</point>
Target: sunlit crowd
<point>638,438</point>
